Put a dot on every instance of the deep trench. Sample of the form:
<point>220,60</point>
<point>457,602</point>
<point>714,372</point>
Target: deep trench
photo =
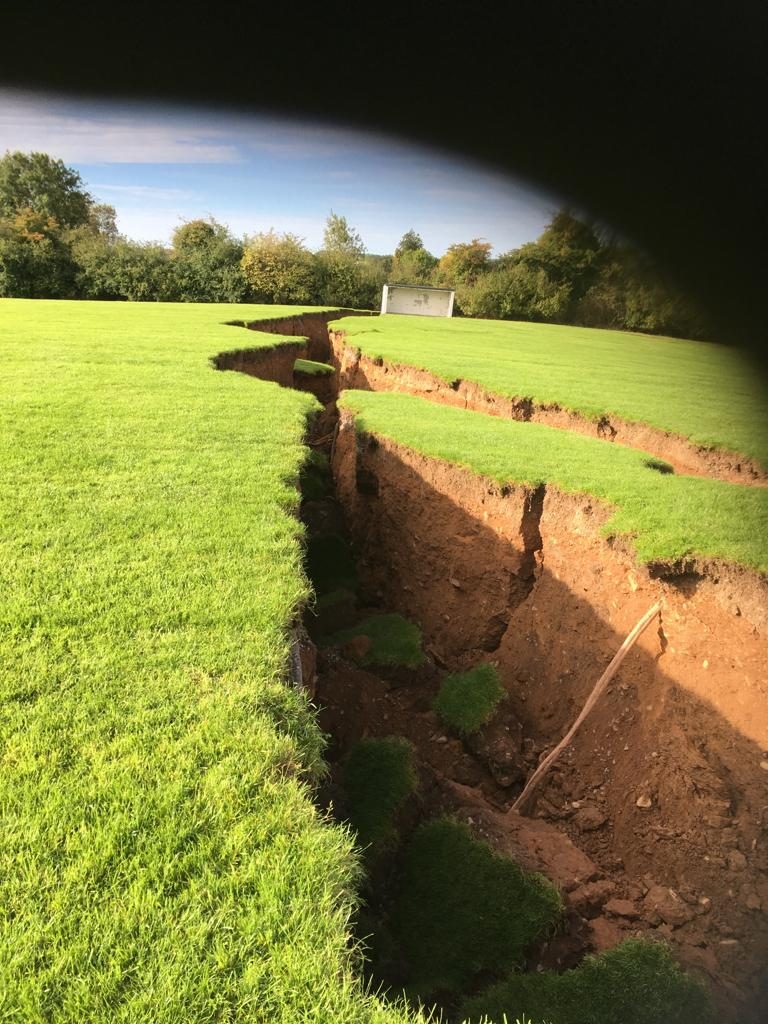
<point>357,701</point>
<point>476,779</point>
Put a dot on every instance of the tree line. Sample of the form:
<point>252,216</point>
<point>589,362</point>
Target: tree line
<point>57,242</point>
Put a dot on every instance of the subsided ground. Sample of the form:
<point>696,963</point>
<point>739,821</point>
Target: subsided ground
<point>664,517</point>
<point>702,392</point>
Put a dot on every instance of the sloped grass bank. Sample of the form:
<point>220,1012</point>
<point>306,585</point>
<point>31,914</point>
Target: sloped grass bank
<point>665,517</point>
<point>701,391</point>
<point>160,859</point>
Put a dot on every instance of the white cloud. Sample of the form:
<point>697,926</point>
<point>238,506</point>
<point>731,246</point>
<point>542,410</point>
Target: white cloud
<point>90,133</point>
<point>144,193</point>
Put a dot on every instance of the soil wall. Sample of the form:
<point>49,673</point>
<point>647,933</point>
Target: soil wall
<point>312,326</point>
<point>273,364</point>
<point>363,373</point>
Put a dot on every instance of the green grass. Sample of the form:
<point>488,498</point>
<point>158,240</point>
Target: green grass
<point>462,909</point>
<point>704,392</point>
<point>665,517</point>
<point>394,640</point>
<point>378,776</point>
<point>468,699</point>
<point>638,982</point>
<point>161,859</point>
<point>312,368</point>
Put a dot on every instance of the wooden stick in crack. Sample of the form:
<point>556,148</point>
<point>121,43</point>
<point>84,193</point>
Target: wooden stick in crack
<point>593,698</point>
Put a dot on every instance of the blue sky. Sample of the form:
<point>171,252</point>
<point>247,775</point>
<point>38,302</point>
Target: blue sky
<point>160,165</point>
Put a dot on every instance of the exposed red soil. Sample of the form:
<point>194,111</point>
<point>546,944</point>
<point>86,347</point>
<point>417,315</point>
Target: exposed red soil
<point>272,364</point>
<point>312,326</point>
<point>525,580</point>
<point>363,373</point>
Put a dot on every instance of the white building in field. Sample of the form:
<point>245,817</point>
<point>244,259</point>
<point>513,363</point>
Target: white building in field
<point>417,299</point>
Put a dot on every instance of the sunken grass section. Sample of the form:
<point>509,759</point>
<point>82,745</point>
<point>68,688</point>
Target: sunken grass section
<point>393,640</point>
<point>312,368</point>
<point>637,982</point>
<point>702,391</point>
<point>378,776</point>
<point>160,858</point>
<point>462,910</point>
<point>665,517</point>
<point>468,699</point>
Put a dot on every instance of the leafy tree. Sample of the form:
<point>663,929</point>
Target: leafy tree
<point>410,242</point>
<point>516,292</point>
<point>342,280</point>
<point>38,182</point>
<point>206,263</point>
<point>102,220</point>
<point>567,253</point>
<point>339,239</point>
<point>138,272</point>
<point>375,272</point>
<point>630,294</point>
<point>412,264</point>
<point>463,263</point>
<point>279,268</point>
<point>35,263</point>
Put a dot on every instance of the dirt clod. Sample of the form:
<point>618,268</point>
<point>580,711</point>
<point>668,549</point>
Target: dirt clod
<point>589,818</point>
<point>357,648</point>
<point>736,860</point>
<point>622,908</point>
<point>663,904</point>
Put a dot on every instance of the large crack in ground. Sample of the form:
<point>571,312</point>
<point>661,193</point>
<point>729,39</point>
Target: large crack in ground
<point>520,578</point>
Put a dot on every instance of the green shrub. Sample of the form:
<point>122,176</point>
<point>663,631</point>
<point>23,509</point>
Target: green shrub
<point>378,776</point>
<point>394,640</point>
<point>463,909</point>
<point>468,699</point>
<point>638,982</point>
<point>330,564</point>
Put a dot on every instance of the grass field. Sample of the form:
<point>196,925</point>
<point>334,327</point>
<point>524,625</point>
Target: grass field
<point>702,391</point>
<point>665,517</point>
<point>161,860</point>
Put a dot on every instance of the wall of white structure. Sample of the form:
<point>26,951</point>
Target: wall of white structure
<point>417,301</point>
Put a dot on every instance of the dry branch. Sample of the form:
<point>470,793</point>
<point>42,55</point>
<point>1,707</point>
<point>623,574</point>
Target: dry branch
<point>593,698</point>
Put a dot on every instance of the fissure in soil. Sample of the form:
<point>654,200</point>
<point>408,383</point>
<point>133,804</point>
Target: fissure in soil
<point>654,822</point>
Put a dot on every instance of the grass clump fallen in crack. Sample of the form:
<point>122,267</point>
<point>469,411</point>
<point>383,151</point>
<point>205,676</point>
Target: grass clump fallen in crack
<point>462,909</point>
<point>638,982</point>
<point>394,641</point>
<point>468,699</point>
<point>378,776</point>
<point>313,368</point>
